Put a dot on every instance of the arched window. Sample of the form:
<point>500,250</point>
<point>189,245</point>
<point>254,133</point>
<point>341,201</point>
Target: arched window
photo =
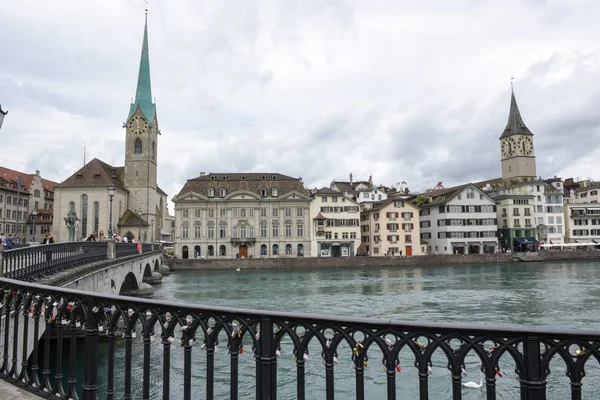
<point>138,146</point>
<point>275,249</point>
<point>263,250</point>
<point>84,215</point>
<point>222,250</point>
<point>243,231</point>
<point>153,150</point>
<point>211,250</point>
<point>96,215</point>
<point>288,249</point>
<point>300,250</point>
<point>184,251</point>
<point>196,251</point>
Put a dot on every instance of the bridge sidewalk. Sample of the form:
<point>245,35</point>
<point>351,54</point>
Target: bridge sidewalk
<point>11,392</point>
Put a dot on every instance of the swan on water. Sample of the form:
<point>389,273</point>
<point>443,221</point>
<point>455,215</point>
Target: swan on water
<point>474,385</point>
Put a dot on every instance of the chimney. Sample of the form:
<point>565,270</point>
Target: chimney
<point>371,180</point>
<point>202,173</point>
<point>350,178</point>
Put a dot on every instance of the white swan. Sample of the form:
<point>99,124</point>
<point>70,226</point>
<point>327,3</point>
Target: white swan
<point>474,385</point>
<point>237,269</point>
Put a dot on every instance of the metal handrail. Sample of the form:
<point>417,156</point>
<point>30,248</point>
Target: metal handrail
<point>67,313</point>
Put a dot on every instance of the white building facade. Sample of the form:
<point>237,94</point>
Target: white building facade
<point>335,227</point>
<point>459,220</point>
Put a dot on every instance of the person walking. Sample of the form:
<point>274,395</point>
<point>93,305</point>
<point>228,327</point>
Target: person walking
<point>9,242</point>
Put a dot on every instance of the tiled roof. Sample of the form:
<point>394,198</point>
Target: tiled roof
<point>515,124</point>
<point>319,216</point>
<point>325,190</point>
<point>251,181</point>
<point>12,175</point>
<point>95,173</point>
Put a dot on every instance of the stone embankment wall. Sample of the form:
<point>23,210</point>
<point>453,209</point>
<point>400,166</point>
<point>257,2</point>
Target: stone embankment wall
<point>432,260</point>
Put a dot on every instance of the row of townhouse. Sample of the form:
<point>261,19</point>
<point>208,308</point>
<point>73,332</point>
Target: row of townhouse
<point>582,211</point>
<point>26,205</point>
<point>269,215</point>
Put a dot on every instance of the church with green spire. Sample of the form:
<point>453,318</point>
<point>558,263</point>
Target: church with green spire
<point>139,206</point>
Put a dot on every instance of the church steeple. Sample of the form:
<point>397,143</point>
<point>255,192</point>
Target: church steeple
<point>143,93</point>
<point>515,125</point>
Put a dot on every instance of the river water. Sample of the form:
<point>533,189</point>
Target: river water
<point>555,295</point>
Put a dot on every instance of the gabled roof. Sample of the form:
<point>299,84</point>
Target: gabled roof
<point>319,216</point>
<point>378,205</point>
<point>515,124</point>
<point>95,173</point>
<point>130,218</point>
<point>325,190</point>
<point>26,179</point>
<point>443,196</point>
<point>143,92</point>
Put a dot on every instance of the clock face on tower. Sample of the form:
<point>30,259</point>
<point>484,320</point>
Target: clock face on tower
<point>508,147</point>
<point>138,125</point>
<point>525,145</point>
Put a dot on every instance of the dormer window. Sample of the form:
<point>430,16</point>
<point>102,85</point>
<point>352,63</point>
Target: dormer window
<point>211,192</point>
<point>263,192</point>
<point>243,177</point>
<point>224,177</point>
<point>274,192</point>
<point>263,177</point>
<point>213,177</point>
<point>274,177</point>
<point>223,192</point>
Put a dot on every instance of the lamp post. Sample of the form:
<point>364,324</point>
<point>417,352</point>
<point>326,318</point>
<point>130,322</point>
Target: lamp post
<point>111,193</point>
<point>152,234</point>
<point>34,213</point>
<point>139,214</point>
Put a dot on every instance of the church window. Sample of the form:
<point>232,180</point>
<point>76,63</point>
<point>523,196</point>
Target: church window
<point>96,215</point>
<point>84,214</point>
<point>153,150</point>
<point>138,146</point>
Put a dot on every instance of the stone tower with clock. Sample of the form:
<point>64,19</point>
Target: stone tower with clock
<point>140,175</point>
<point>516,146</point>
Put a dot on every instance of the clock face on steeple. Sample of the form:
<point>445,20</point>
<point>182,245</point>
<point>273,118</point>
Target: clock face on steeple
<point>508,147</point>
<point>525,145</point>
<point>138,125</point>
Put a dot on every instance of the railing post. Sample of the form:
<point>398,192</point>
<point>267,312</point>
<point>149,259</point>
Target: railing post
<point>90,385</point>
<point>266,382</point>
<point>111,252</point>
<point>1,263</point>
<point>535,383</point>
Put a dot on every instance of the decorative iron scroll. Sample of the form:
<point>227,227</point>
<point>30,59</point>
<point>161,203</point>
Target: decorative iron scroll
<point>34,314</point>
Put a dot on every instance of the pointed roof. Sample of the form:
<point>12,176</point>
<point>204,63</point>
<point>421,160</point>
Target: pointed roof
<point>515,125</point>
<point>143,92</point>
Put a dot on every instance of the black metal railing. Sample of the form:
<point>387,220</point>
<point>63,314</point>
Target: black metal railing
<point>49,313</point>
<point>125,249</point>
<point>35,262</point>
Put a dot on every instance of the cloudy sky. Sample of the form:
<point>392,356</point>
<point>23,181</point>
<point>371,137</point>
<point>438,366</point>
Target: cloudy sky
<point>414,91</point>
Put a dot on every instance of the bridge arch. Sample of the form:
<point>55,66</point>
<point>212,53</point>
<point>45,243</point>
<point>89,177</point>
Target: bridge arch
<point>129,285</point>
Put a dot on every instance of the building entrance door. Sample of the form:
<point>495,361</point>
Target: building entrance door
<point>243,251</point>
<point>408,251</point>
<point>336,251</point>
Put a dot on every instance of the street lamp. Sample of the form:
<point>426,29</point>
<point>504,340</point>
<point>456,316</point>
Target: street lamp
<point>139,214</point>
<point>34,213</point>
<point>152,234</point>
<point>111,193</point>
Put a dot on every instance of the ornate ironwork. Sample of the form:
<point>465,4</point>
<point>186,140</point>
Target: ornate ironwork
<point>62,313</point>
<point>35,262</point>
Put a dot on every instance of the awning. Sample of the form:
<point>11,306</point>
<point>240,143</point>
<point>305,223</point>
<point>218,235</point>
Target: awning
<point>474,243</point>
<point>165,232</point>
<point>491,243</point>
<point>526,241</point>
<point>459,244</point>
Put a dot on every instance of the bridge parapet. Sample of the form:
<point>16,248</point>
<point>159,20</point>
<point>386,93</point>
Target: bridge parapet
<point>167,326</point>
<point>35,262</point>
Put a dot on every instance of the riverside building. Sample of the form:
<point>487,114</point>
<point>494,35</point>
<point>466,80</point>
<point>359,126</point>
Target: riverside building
<point>230,215</point>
